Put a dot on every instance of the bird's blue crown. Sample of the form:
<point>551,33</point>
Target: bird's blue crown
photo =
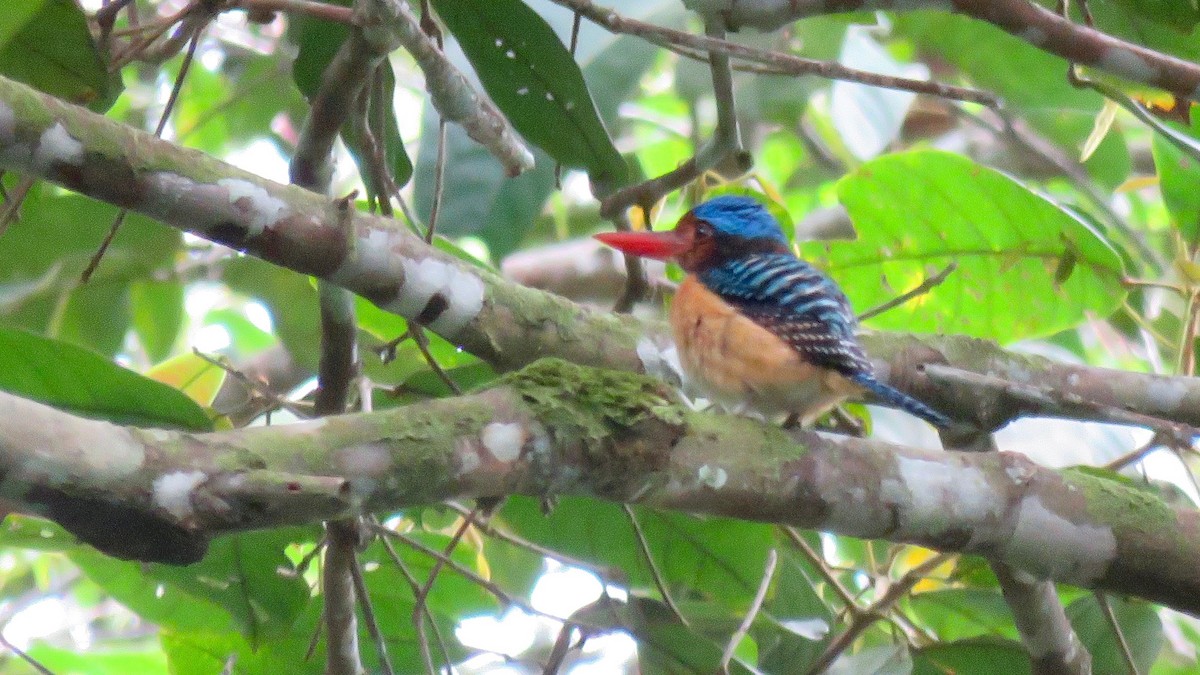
<point>739,217</point>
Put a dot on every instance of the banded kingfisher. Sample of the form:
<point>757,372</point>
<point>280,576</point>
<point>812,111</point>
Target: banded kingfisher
<point>755,325</point>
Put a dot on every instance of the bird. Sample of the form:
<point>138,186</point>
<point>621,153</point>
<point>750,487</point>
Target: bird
<point>754,325</point>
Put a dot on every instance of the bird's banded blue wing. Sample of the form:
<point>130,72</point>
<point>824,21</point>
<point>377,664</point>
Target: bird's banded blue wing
<point>796,302</point>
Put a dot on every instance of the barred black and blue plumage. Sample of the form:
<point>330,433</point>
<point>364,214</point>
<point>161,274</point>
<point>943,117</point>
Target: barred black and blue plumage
<point>791,298</point>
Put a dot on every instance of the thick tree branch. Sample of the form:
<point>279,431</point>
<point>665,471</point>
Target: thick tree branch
<point>555,428</point>
<point>503,323</point>
<point>1026,20</point>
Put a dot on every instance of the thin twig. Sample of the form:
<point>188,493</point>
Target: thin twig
<point>644,547</point>
<point>158,129</point>
<point>786,63</point>
<point>1136,455</point>
<point>492,530</point>
<point>875,611</point>
<point>368,611</point>
<point>1111,617</point>
<point>13,200</point>
<point>822,567</point>
<point>439,180</point>
<point>922,288</point>
<point>257,388</point>
<point>422,342</point>
<point>755,605</point>
<point>488,585</point>
<point>427,614</point>
<point>33,663</point>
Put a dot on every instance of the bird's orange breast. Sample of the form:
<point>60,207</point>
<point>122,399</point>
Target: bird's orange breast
<point>739,363</point>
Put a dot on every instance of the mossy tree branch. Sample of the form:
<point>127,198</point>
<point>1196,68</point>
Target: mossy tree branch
<point>501,322</point>
<point>559,429</point>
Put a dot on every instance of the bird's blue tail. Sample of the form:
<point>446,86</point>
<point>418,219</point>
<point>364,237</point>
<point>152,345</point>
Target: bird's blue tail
<point>899,399</point>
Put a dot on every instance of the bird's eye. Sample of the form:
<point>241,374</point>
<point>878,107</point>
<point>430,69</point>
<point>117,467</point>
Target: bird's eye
<point>704,229</point>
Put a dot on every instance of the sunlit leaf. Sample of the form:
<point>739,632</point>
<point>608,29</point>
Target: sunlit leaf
<point>47,45</point>
<point>917,212</point>
<point>534,79</point>
<point>74,379</point>
<point>194,376</point>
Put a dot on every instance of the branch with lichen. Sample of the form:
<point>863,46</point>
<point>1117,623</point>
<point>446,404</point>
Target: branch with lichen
<point>503,323</point>
<point>1026,20</point>
<point>554,428</point>
<point>450,92</point>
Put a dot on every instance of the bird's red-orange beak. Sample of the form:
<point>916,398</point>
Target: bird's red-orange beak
<point>657,245</point>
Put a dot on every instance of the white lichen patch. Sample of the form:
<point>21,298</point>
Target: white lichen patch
<point>1166,394</point>
<point>57,146</point>
<point>934,496</point>
<point>1050,546</point>
<point>503,440</point>
<point>262,208</point>
<point>173,492</point>
<point>713,476</point>
<point>468,461</point>
<point>8,124</point>
<point>1033,35</point>
<point>365,459</point>
<point>462,292</point>
<point>661,360</point>
<point>1124,62</point>
<point>465,293</point>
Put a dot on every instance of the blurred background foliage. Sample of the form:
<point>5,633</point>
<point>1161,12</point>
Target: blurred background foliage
<point>1073,225</point>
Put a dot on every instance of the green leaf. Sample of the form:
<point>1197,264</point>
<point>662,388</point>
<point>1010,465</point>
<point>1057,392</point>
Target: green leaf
<point>76,380</point>
<point>1179,174</point>
<point>244,578</point>
<point>157,308</point>
<point>290,297</point>
<point>101,660</point>
<point>47,45</point>
<point>34,533</point>
<point>1139,624</point>
<point>794,627</point>
<point>714,558</point>
<point>43,254</point>
<point>982,655</point>
<point>534,80</point>
<point>960,613</point>
<point>917,212</point>
<point>667,646</point>
<point>486,204</point>
<point>1182,15</point>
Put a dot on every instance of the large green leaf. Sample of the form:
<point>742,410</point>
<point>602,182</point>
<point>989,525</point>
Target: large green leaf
<point>1026,267</point>
<point>47,45</point>
<point>716,558</point>
<point>245,578</point>
<point>667,646</point>
<point>43,254</point>
<point>795,625</point>
<point>157,311</point>
<point>1179,180</point>
<point>484,201</point>
<point>991,656</point>
<point>480,200</point>
<point>1140,626</point>
<point>534,80</point>
<point>80,381</point>
<point>961,613</point>
<point>100,660</point>
<point>205,650</point>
